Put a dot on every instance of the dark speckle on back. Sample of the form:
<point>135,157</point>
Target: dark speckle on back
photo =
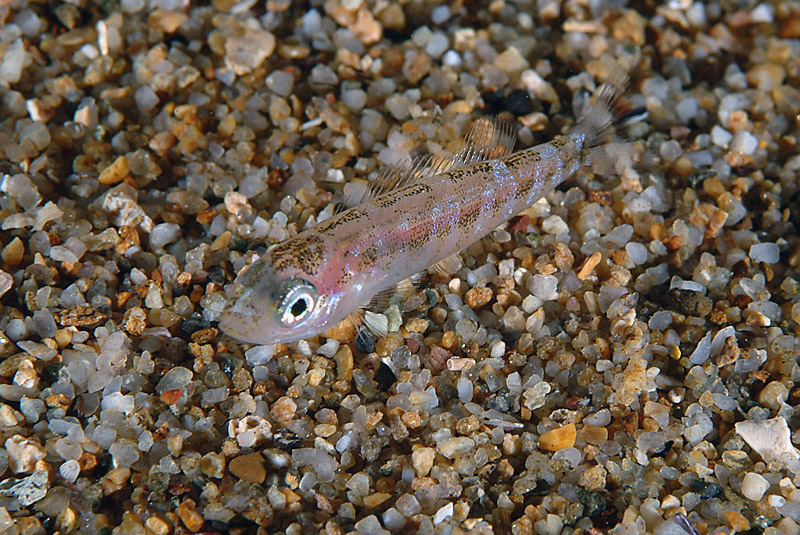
<point>304,252</point>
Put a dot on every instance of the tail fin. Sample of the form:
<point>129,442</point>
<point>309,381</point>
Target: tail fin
<point>600,122</point>
<point>605,146</point>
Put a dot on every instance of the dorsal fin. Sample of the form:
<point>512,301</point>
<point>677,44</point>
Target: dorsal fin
<point>488,138</point>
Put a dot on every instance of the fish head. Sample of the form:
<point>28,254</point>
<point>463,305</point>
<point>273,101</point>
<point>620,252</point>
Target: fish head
<point>276,301</point>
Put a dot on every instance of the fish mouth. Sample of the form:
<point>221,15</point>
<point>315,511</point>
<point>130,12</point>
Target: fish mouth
<point>246,316</point>
<point>241,327</point>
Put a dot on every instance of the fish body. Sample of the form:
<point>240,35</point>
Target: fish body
<point>307,284</point>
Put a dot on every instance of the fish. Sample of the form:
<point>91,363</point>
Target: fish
<point>417,218</point>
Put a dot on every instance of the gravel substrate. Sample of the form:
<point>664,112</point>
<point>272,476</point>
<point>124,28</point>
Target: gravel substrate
<point>623,351</point>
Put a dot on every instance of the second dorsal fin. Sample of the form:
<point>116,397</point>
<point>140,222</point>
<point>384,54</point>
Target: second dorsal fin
<point>488,138</point>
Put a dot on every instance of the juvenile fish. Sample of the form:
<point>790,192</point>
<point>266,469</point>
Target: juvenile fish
<point>308,283</point>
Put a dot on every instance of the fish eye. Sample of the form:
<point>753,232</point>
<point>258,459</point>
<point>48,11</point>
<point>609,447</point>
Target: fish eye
<point>297,302</point>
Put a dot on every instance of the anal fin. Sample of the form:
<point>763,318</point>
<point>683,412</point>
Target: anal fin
<point>448,266</point>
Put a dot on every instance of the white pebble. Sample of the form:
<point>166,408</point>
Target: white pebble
<point>677,283</point>
<point>531,303</point>
<point>176,378</point>
<point>554,225</point>
<point>6,282</point>
<point>145,98</point>
<point>281,83</point>
<point>437,45</point>
<point>59,253</point>
<point>445,512</point>
<point>118,402</point>
<point>29,23</point>
<point>393,520</point>
<point>762,13</point>
<point>687,109</point>
<point>498,349</point>
<point>323,75</point>
<point>12,63</point>
<point>754,486</point>
<point>720,137</point>
<point>620,236</point>
<point>408,505</point>
<point>702,351</point>
<point>164,233</point>
<point>370,526</point>
<point>696,14</point>
<point>421,35</point>
<point>543,286</point>
<point>124,452</point>
<point>768,253</point>
<point>637,252</point>
<point>69,470</point>
<point>744,142</point>
<point>215,395</point>
<point>660,320</point>
<point>252,185</point>
<point>132,6</point>
<point>670,150</point>
<point>354,99</point>
<point>600,418</point>
<point>398,106</point>
<point>772,439</point>
<point>440,14</point>
<point>465,390</point>
<point>451,58</point>
<point>311,22</point>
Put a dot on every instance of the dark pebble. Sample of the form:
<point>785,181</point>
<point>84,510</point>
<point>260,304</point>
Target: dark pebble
<point>238,244</point>
<point>286,440</point>
<point>542,488</point>
<point>365,342</point>
<point>492,99</point>
<point>691,303</point>
<point>473,492</point>
<point>388,468</point>
<point>385,377</point>
<point>228,366</point>
<point>663,453</point>
<point>740,268</point>
<point>194,324</point>
<point>447,393</point>
<point>216,275</point>
<point>704,489</point>
<point>51,372</point>
<point>306,521</point>
<point>695,180</point>
<point>431,297</point>
<point>517,102</point>
<point>593,502</point>
<point>216,525</point>
<point>498,403</point>
<point>607,518</point>
<point>104,463</point>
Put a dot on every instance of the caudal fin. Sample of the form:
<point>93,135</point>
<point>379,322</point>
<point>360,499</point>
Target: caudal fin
<point>601,122</point>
